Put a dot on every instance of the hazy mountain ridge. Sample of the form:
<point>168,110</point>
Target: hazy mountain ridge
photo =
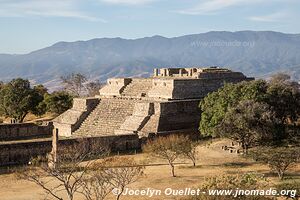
<point>254,53</point>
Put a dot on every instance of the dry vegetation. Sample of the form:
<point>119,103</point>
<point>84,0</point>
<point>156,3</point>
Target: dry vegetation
<point>211,161</point>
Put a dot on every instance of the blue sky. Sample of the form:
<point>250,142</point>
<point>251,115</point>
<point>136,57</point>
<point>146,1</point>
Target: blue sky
<point>27,25</point>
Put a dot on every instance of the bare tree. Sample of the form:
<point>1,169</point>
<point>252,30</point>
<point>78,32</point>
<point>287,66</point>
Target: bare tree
<point>279,159</point>
<point>93,88</point>
<point>74,83</point>
<point>188,148</point>
<point>94,186</point>
<point>78,84</point>
<point>65,176</point>
<point>168,148</point>
<point>119,172</point>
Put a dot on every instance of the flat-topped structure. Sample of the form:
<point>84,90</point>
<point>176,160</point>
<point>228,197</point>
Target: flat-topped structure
<point>165,103</point>
<point>196,73</point>
<point>172,83</point>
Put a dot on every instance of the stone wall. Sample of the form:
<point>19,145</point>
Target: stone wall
<point>178,115</point>
<point>70,120</point>
<point>199,88</point>
<point>16,153</point>
<point>189,88</point>
<point>162,88</point>
<point>24,131</point>
<point>196,72</point>
<point>21,152</point>
<point>162,117</point>
<point>114,86</point>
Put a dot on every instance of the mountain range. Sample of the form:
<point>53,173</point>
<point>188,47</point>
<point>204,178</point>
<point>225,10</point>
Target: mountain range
<point>255,53</point>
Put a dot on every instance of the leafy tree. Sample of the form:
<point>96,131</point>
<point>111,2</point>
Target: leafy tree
<point>279,159</point>
<point>58,102</point>
<point>1,84</point>
<point>249,123</point>
<point>168,148</point>
<point>17,99</point>
<point>283,96</point>
<point>215,105</point>
<point>39,91</point>
<point>40,109</point>
<point>74,83</point>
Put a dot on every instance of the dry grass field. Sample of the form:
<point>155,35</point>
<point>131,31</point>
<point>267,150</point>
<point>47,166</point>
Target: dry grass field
<point>212,161</point>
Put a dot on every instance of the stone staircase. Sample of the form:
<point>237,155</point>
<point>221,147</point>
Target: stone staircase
<point>151,126</point>
<point>137,88</point>
<point>140,116</point>
<point>106,117</point>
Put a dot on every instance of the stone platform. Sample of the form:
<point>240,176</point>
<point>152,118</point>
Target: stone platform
<point>165,103</point>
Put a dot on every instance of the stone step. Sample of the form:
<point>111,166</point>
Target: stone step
<point>137,87</point>
<point>106,117</point>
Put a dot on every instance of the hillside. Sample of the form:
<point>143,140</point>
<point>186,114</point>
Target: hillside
<point>256,54</point>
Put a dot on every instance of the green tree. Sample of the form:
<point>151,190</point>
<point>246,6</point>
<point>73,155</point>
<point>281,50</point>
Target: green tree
<point>249,123</point>
<point>58,102</point>
<point>39,91</point>
<point>216,104</point>
<point>283,95</point>
<point>17,99</point>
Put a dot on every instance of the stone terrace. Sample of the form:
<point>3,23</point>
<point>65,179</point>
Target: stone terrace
<point>106,117</point>
<point>165,103</point>
<point>137,88</point>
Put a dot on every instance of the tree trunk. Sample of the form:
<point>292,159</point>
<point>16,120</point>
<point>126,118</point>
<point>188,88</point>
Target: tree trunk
<point>194,162</point>
<point>22,118</point>
<point>193,159</point>
<point>280,174</point>
<point>173,170</point>
<point>120,193</point>
<point>70,196</point>
<point>245,148</point>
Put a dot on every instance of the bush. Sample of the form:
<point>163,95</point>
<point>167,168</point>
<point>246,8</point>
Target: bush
<point>249,181</point>
<point>292,187</point>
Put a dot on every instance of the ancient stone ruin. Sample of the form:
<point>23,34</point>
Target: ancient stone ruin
<point>165,103</point>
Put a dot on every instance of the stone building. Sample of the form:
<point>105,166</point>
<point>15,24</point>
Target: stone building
<point>165,103</point>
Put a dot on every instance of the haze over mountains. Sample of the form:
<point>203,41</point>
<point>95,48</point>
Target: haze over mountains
<point>257,54</point>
